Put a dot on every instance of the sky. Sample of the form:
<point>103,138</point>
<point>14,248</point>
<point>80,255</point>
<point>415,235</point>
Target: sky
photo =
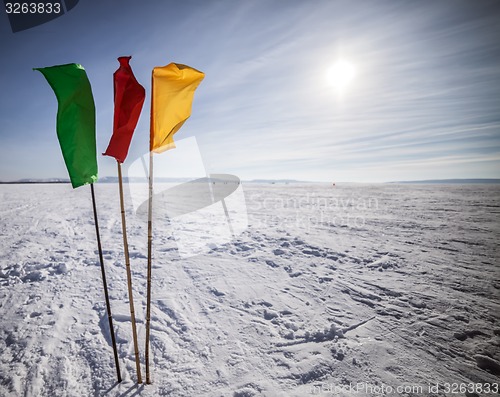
<point>423,102</point>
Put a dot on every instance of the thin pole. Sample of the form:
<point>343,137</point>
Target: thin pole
<point>105,284</point>
<point>228,218</point>
<point>150,242</point>
<point>129,276</point>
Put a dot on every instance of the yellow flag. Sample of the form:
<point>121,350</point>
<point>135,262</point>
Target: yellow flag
<point>173,89</point>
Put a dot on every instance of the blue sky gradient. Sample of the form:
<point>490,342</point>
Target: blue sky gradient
<point>425,102</point>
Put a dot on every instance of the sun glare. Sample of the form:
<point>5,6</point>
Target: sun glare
<point>341,74</point>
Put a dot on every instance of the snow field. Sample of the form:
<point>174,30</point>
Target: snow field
<point>383,284</point>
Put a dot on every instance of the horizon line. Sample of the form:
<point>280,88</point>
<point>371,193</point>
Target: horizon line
<point>114,179</point>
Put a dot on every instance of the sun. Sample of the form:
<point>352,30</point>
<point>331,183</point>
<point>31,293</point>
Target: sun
<point>341,74</point>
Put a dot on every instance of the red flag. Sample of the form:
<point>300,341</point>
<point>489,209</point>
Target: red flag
<point>129,98</point>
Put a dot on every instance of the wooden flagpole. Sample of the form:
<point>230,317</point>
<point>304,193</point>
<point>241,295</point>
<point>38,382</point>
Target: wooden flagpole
<point>150,242</point>
<point>105,284</point>
<point>129,276</point>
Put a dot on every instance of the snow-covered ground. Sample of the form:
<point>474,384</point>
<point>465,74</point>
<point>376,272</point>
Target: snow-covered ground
<point>364,286</point>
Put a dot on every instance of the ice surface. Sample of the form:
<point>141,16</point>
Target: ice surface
<point>328,286</point>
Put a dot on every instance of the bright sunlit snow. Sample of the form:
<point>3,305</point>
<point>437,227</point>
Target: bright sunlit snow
<point>328,286</point>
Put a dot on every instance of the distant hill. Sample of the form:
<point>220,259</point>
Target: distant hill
<point>274,181</point>
<point>106,179</point>
<point>47,180</point>
<point>452,181</point>
<point>114,179</point>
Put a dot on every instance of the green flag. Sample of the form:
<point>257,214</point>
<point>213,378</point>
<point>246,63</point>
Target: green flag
<point>75,120</point>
